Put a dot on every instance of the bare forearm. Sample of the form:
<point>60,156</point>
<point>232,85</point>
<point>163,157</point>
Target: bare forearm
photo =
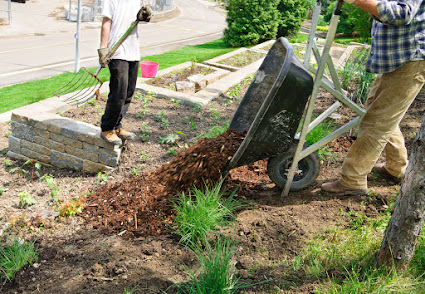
<point>370,6</point>
<point>104,32</point>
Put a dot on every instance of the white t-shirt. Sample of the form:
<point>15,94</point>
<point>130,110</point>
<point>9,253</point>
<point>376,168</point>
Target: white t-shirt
<point>123,13</point>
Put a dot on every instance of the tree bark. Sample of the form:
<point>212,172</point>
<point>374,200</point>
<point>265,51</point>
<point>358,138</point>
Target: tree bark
<point>407,220</point>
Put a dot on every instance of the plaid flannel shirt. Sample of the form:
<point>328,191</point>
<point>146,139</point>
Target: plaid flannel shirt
<point>398,36</point>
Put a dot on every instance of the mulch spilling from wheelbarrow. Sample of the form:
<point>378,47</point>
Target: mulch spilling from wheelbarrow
<point>141,206</point>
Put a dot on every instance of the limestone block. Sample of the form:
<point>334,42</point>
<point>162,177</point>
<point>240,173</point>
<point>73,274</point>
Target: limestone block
<point>42,133</point>
<point>16,156</point>
<point>80,131</point>
<point>82,153</point>
<point>199,81</point>
<point>14,144</point>
<point>55,125</point>
<point>90,147</point>
<point>51,144</point>
<point>109,157</point>
<point>22,131</point>
<point>35,155</point>
<point>35,147</point>
<point>63,160</point>
<point>186,87</point>
<point>66,141</point>
<point>94,167</point>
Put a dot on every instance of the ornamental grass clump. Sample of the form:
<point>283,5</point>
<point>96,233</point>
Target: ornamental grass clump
<point>202,211</point>
<point>15,256</point>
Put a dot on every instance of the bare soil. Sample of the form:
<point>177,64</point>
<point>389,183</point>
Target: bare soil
<point>123,238</point>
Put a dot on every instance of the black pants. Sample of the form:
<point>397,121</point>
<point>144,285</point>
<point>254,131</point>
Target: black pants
<point>121,89</point>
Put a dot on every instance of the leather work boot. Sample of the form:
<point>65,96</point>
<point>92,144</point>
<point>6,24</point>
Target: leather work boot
<point>381,170</point>
<point>337,188</point>
<point>111,137</point>
<point>125,135</point>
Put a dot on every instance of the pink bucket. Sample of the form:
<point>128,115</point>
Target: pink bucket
<point>149,68</point>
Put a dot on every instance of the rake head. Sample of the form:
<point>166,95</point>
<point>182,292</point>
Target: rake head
<point>83,87</point>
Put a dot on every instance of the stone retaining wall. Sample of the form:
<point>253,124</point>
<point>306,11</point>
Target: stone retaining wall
<point>61,142</point>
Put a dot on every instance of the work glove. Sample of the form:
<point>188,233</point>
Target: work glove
<point>103,53</point>
<point>144,14</point>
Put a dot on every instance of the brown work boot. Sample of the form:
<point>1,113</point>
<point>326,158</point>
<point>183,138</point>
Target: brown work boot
<point>381,170</point>
<point>337,188</point>
<point>111,137</point>
<point>125,135</point>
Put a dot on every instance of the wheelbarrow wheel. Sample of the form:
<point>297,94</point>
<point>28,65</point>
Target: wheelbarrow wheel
<point>306,173</point>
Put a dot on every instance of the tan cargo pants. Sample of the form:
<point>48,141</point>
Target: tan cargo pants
<point>390,97</point>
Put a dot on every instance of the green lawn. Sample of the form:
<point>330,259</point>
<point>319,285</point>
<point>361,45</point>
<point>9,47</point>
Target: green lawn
<point>26,93</point>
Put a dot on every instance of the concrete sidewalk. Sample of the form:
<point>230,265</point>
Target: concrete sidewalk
<point>40,43</point>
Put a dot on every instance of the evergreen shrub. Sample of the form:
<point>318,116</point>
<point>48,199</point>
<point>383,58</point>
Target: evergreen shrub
<point>250,22</point>
<point>291,15</point>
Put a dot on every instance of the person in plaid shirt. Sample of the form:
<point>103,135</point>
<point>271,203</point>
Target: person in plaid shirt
<point>398,57</point>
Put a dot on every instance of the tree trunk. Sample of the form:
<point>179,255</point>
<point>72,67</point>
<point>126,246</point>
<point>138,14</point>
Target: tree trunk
<point>407,220</point>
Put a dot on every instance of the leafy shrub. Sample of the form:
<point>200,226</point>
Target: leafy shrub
<point>250,22</point>
<point>291,15</point>
<point>352,20</point>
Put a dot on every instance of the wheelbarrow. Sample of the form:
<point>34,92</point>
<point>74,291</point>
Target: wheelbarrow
<point>270,112</point>
<point>275,106</point>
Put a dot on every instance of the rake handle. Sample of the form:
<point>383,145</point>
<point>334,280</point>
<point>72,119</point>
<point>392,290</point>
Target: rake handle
<point>118,43</point>
<point>123,37</point>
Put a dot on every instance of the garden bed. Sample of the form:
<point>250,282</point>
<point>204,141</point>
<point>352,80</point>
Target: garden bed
<point>188,77</point>
<point>83,255</point>
<point>237,59</point>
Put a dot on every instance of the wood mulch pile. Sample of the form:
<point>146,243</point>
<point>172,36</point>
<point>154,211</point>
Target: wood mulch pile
<point>141,205</point>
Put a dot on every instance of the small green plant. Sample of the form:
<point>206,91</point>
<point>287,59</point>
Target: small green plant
<point>2,190</point>
<point>197,108</point>
<point>193,126</point>
<point>135,171</point>
<point>176,102</point>
<point>7,162</point>
<point>71,207</point>
<point>144,107</point>
<point>145,132</point>
<point>170,139</point>
<point>14,256</point>
<point>25,199</point>
<point>160,117</point>
<point>193,64</point>
<point>172,151</point>
<point>132,290</point>
<point>216,115</point>
<point>144,156</point>
<point>101,177</point>
<point>53,185</point>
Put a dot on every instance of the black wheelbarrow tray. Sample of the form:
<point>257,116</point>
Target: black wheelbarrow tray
<point>270,112</point>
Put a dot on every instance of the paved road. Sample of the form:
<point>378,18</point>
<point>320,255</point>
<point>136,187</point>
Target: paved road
<point>43,45</point>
